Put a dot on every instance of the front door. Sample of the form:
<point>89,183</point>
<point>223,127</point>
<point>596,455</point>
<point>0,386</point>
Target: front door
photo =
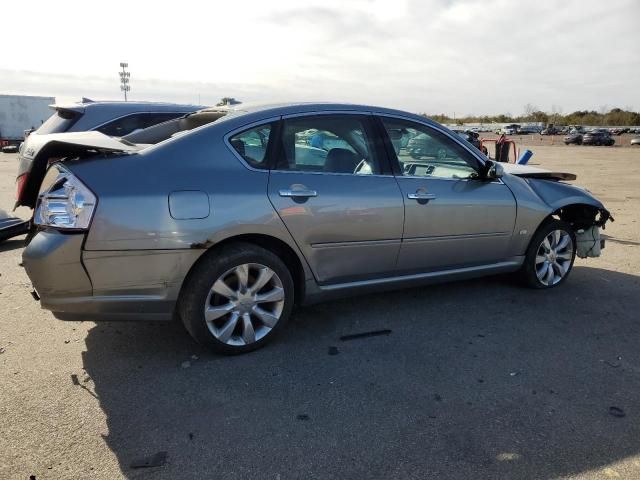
<point>331,191</point>
<point>452,218</point>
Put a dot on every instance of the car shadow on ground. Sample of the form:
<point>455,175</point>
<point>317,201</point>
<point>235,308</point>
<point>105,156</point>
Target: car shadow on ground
<point>478,379</point>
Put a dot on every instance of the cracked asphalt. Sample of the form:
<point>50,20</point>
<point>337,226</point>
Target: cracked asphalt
<point>480,379</point>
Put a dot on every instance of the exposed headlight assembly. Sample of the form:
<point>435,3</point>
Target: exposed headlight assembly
<point>64,201</point>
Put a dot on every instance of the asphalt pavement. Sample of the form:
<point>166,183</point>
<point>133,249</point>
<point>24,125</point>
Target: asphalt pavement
<point>480,379</point>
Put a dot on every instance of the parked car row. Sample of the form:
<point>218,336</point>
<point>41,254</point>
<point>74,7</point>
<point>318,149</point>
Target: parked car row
<point>598,137</point>
<point>620,131</point>
<point>227,218</point>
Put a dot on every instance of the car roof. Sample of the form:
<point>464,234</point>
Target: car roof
<point>95,114</point>
<point>124,107</point>
<point>258,111</point>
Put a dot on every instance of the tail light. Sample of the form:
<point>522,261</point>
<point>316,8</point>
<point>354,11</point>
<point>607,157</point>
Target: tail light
<point>64,201</point>
<point>21,181</point>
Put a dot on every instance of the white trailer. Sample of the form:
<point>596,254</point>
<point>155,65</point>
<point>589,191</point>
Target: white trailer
<point>21,112</point>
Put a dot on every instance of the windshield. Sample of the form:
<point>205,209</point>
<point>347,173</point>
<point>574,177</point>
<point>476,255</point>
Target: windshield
<point>59,122</point>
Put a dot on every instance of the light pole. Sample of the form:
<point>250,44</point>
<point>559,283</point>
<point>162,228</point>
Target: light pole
<point>124,79</point>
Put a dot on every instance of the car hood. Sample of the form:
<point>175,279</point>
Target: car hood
<point>527,171</point>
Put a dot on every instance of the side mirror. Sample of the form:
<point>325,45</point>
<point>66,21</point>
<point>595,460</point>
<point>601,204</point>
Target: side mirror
<point>491,170</point>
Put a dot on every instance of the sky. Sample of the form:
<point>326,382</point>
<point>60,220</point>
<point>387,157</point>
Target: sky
<point>456,57</point>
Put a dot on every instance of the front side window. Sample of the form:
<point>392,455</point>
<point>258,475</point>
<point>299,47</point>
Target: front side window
<point>252,145</point>
<point>327,143</point>
<point>425,152</point>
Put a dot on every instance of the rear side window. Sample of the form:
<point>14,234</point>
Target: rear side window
<point>139,121</point>
<point>252,145</point>
<point>59,122</point>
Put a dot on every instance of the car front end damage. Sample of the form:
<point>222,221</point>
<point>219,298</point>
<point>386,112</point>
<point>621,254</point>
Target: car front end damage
<point>587,221</point>
<point>558,199</point>
<point>579,208</point>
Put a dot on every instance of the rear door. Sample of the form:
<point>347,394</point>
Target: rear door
<point>452,219</point>
<point>336,196</point>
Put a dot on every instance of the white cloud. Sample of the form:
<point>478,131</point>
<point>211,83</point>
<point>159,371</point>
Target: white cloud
<point>486,56</point>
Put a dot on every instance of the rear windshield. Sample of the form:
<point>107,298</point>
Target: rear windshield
<point>59,122</point>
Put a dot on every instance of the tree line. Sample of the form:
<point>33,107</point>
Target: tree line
<point>605,117</point>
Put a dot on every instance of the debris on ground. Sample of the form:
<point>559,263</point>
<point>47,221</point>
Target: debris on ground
<point>156,460</point>
<point>303,417</point>
<point>194,357</point>
<point>611,364</point>
<point>186,364</point>
<point>373,333</point>
<point>76,382</point>
<point>617,412</point>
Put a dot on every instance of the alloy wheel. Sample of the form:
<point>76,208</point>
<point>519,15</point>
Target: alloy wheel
<point>244,304</point>
<point>554,257</point>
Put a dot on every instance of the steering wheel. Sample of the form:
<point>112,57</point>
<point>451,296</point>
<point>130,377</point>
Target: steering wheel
<point>363,167</point>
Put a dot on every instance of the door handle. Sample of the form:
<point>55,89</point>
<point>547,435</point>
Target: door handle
<point>287,192</point>
<point>421,196</point>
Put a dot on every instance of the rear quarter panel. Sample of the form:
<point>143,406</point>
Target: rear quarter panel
<point>133,196</point>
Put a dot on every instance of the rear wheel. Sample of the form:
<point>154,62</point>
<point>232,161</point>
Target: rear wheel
<point>550,256</point>
<point>237,299</point>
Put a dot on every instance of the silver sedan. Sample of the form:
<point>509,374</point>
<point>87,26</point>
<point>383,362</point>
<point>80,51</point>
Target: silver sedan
<point>227,219</point>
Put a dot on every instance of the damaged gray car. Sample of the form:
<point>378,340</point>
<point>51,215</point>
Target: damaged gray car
<point>228,219</point>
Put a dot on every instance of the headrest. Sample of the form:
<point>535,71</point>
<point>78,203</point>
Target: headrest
<point>340,160</point>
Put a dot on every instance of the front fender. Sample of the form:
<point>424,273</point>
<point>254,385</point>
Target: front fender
<point>558,194</point>
<point>537,199</point>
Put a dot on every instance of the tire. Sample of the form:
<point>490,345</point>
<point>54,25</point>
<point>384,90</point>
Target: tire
<point>222,333</point>
<point>538,256</point>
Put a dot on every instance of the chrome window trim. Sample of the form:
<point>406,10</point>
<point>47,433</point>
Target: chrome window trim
<point>415,177</point>
<point>258,123</point>
<point>317,113</point>
<point>332,173</point>
<point>244,128</point>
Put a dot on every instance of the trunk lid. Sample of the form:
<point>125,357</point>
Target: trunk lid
<point>39,151</point>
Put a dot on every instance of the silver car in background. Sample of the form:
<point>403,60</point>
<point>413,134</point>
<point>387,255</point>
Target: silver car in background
<point>110,118</point>
<point>228,219</point>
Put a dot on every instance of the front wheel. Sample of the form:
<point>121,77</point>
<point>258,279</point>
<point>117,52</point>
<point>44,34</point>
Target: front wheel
<point>237,299</point>
<point>550,255</point>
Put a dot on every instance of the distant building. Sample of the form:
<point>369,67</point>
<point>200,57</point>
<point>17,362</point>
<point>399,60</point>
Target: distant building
<point>22,112</point>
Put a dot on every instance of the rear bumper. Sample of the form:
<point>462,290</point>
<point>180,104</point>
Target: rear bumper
<point>106,285</point>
